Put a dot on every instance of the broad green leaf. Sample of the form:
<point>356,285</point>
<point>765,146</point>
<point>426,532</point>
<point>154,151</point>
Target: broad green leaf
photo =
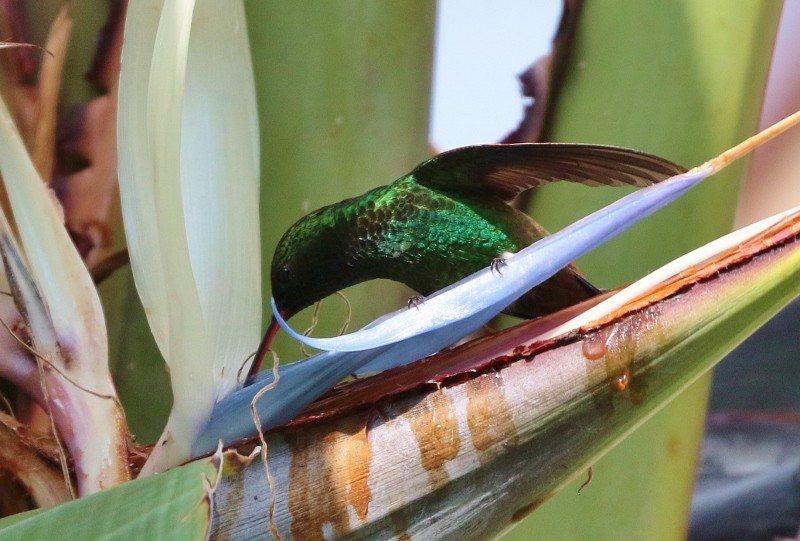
<point>684,80</point>
<point>343,94</point>
<point>171,506</point>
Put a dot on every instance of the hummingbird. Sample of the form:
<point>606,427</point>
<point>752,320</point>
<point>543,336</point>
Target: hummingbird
<point>446,219</point>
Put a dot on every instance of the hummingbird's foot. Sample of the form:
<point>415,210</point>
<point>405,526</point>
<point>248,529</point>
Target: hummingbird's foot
<point>497,264</point>
<point>415,301</point>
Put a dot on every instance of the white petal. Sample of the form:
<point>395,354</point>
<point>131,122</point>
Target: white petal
<point>190,197</point>
<point>220,171</point>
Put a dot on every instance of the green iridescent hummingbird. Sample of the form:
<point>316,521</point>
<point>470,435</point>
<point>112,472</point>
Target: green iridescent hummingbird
<point>448,218</point>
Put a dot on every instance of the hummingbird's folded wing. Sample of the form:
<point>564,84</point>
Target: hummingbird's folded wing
<point>506,170</point>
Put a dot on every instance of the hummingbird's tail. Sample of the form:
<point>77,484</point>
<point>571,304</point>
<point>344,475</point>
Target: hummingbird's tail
<point>590,289</point>
<point>565,288</point>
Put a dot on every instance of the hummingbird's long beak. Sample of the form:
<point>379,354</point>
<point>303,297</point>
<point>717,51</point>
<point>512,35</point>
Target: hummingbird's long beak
<point>263,347</point>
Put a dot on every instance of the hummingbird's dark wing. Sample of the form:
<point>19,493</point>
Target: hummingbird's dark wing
<point>506,170</point>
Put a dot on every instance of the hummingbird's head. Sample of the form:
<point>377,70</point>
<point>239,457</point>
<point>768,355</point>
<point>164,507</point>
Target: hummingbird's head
<point>310,262</point>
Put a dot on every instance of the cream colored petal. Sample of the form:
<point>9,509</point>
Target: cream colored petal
<point>220,172</point>
<point>190,199</point>
<point>136,168</point>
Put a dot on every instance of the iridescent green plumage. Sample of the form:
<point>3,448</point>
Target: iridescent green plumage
<point>404,232</point>
<point>445,220</point>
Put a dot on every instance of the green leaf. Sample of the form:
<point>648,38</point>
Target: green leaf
<point>343,95</point>
<point>684,80</point>
<point>170,506</point>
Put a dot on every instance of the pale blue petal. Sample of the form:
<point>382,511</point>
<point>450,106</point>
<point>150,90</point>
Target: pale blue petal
<point>443,319</point>
<point>300,384</point>
<point>303,382</point>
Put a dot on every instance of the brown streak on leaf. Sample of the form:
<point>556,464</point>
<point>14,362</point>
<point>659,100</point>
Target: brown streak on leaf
<point>526,510</point>
<point>488,416</point>
<point>327,479</point>
<point>618,346</point>
<point>435,428</point>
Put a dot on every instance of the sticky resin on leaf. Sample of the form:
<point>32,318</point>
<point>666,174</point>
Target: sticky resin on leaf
<point>617,345</point>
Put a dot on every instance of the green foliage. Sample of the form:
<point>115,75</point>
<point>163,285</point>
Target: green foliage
<point>344,93</point>
<point>169,506</point>
<point>343,97</point>
<point>684,80</point>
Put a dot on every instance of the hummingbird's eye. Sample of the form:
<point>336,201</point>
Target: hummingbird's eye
<point>286,272</point>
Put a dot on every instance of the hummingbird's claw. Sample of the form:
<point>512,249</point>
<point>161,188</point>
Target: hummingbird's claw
<point>415,301</point>
<point>497,264</point>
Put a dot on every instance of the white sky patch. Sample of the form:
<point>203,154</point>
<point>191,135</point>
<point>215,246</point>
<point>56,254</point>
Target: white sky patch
<point>481,48</point>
